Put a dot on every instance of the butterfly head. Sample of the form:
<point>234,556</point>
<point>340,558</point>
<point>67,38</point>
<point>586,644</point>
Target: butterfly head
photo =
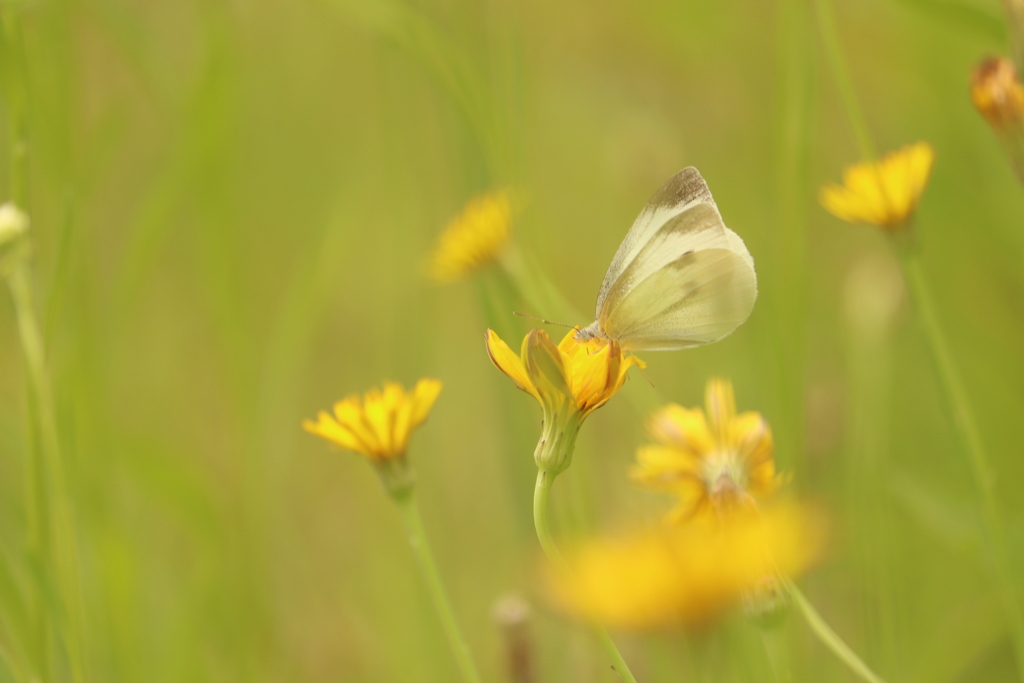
<point>588,333</point>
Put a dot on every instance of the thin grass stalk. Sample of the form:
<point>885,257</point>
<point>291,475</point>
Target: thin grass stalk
<point>868,401</point>
<point>51,536</point>
<point>1015,23</point>
<point>841,74</point>
<point>955,394</point>
<point>792,152</point>
<point>541,493</point>
<point>777,651</point>
<point>54,513</point>
<point>966,428</point>
<point>58,540</point>
<point>830,638</point>
<point>432,578</point>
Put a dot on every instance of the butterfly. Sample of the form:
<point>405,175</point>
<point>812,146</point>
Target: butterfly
<point>680,277</point>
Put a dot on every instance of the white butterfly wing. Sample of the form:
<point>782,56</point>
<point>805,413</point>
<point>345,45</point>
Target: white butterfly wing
<point>690,282</point>
<point>680,192</point>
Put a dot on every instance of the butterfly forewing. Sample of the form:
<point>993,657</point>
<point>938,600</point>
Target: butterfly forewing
<point>697,228</point>
<point>680,278</point>
<point>682,191</point>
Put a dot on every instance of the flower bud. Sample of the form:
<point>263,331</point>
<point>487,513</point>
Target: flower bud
<point>13,223</point>
<point>997,93</point>
<point>557,441</point>
<point>512,615</point>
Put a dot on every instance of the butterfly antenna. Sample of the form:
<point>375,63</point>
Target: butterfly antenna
<point>543,320</point>
<point>647,377</point>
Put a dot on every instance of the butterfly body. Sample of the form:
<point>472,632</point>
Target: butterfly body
<point>679,279</point>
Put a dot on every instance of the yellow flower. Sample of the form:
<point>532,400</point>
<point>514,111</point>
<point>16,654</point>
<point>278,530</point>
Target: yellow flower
<point>583,374</point>
<point>570,381</point>
<point>378,424</point>
<point>685,575</point>
<point>714,462</point>
<point>883,193</point>
<point>997,93</point>
<point>472,239</point>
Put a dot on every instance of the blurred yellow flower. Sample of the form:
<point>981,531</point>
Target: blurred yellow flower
<point>472,239</point>
<point>570,381</point>
<point>883,193</point>
<point>688,574</point>
<point>378,424</point>
<point>714,462</point>
<point>997,92</point>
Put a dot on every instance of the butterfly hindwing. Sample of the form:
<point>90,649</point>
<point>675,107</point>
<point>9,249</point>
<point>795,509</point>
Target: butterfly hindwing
<point>692,282</point>
<point>697,299</point>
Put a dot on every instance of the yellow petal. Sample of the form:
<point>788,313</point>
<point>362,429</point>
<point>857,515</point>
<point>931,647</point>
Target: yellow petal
<point>546,369</point>
<point>424,395</point>
<point>686,575</point>
<point>350,414</point>
<point>663,466</point>
<point>594,375</point>
<point>885,193</point>
<point>721,406</point>
<point>379,419</point>
<point>508,362</point>
<point>472,239</point>
<point>681,427</point>
<point>379,423</point>
<point>326,427</point>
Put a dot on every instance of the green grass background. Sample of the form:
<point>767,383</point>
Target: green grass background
<point>231,203</point>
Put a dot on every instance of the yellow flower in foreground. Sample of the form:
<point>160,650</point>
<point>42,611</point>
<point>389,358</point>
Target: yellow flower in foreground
<point>883,193</point>
<point>379,423</point>
<point>713,462</point>
<point>570,381</point>
<point>685,575</point>
<point>472,239</point>
<point>997,93</point>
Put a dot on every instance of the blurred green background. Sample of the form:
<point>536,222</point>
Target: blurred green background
<point>231,203</point>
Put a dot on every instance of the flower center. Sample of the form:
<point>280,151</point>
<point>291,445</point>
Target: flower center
<point>725,479</point>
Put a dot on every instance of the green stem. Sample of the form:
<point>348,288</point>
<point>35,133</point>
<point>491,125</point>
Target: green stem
<point>17,119</point>
<point>836,62</point>
<point>51,527</point>
<point>829,637</point>
<point>949,376</point>
<point>967,429</point>
<point>796,101</point>
<point>778,655</point>
<point>51,542</point>
<point>35,493</point>
<point>540,520</point>
<point>425,559</point>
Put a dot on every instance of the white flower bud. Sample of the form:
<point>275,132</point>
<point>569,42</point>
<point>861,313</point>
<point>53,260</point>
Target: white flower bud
<point>13,223</point>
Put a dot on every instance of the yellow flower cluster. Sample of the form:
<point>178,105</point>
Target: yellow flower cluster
<point>379,423</point>
<point>685,574</point>
<point>570,380</point>
<point>580,375</point>
<point>713,461</point>
<point>883,193</point>
<point>472,239</point>
<point>725,541</point>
